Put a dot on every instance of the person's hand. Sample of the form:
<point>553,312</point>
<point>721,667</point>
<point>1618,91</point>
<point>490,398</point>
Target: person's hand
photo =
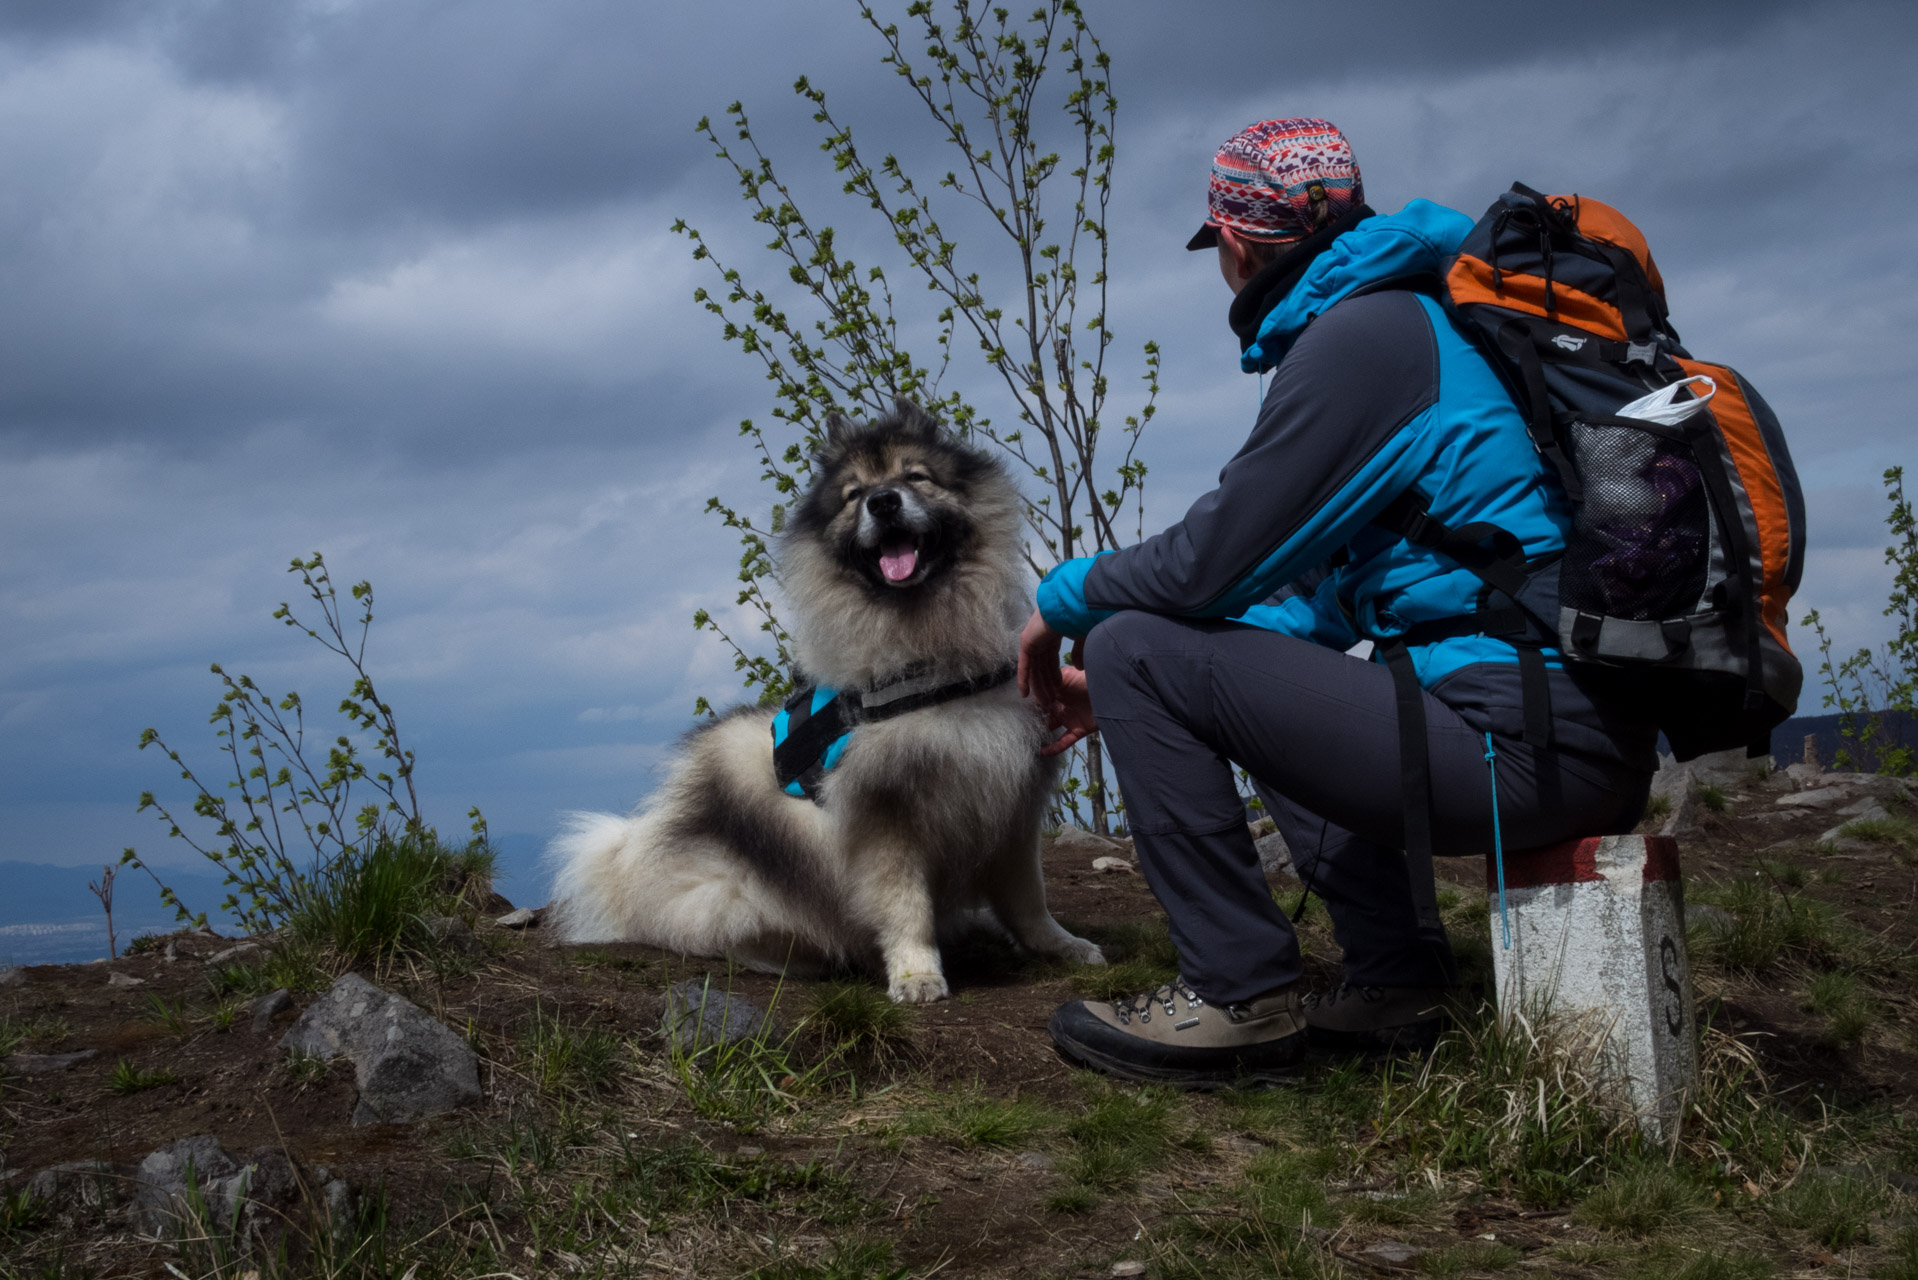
<point>1073,712</point>
<point>1039,662</point>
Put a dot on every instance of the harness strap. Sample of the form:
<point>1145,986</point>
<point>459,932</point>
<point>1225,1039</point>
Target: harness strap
<point>1416,769</point>
<point>804,737</point>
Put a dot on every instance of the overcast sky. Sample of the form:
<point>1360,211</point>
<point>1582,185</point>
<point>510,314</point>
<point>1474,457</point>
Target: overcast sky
<point>393,279</point>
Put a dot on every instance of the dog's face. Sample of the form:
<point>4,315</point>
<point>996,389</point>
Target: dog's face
<point>891,500</point>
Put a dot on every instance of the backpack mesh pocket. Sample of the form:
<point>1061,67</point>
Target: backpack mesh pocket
<point>1641,541</point>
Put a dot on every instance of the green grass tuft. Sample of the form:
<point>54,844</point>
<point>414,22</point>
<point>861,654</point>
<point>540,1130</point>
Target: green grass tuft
<point>128,1079</point>
<point>1835,1212</point>
<point>1847,1005</point>
<point>859,1015</point>
<point>560,1059</point>
<point>973,1118</point>
<point>371,903</point>
<point>1644,1202</point>
<point>1713,798</point>
<point>1895,830</point>
<point>170,1014</point>
<point>1657,809</point>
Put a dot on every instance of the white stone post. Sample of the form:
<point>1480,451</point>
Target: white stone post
<point>1598,940</point>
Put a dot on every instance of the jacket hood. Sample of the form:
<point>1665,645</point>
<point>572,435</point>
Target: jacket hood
<point>1415,241</point>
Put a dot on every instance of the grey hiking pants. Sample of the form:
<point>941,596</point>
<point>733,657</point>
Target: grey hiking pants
<point>1180,700</point>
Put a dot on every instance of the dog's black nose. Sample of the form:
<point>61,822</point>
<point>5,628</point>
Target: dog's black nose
<point>883,503</point>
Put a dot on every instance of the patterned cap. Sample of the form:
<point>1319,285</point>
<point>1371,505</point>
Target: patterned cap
<point>1279,180</point>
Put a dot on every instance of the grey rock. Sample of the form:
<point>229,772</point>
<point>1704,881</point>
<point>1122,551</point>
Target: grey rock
<point>699,1015</point>
<point>1037,1161</point>
<point>1727,768</point>
<point>172,953</point>
<point>1078,840</point>
<point>1393,1253</point>
<point>233,953</point>
<point>1673,780</point>
<point>1716,919</point>
<point>1112,864</point>
<point>521,918</point>
<point>1805,775</point>
<point>1275,856</point>
<point>268,1007</point>
<point>39,1064</point>
<point>1880,787</point>
<point>117,979</point>
<point>1866,810</point>
<point>13,977</point>
<point>452,933</point>
<point>256,1197</point>
<point>1687,815</point>
<point>80,1187</point>
<point>1825,797</point>
<point>1133,1268</point>
<point>406,1065</point>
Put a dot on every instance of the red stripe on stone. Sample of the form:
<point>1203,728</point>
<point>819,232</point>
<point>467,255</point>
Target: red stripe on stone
<point>1574,861</point>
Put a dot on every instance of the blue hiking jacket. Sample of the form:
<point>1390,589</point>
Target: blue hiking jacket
<point>1372,395</point>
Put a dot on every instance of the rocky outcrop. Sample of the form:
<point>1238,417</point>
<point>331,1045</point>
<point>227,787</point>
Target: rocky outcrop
<point>700,1015</point>
<point>406,1065</point>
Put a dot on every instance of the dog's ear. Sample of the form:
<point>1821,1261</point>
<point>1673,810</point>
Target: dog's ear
<point>838,430</point>
<point>915,419</point>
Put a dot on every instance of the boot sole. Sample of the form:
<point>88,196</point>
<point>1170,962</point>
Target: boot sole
<point>1198,1079</point>
<point>1418,1039</point>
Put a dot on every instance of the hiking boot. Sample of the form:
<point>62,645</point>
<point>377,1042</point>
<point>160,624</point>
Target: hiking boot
<point>1174,1037</point>
<point>1376,1020</point>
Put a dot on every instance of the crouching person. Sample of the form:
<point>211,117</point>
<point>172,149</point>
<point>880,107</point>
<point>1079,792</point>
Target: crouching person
<point>1222,640</point>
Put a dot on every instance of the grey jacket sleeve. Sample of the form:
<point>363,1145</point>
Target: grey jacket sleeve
<point>1335,441</point>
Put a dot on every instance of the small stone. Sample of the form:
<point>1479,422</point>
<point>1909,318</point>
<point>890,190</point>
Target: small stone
<point>1395,1253</point>
<point>1112,864</point>
<point>233,953</point>
<point>172,952</point>
<point>37,1064</point>
<point>1866,810</point>
<point>254,1198</point>
<point>407,1066</point>
<point>699,1014</point>
<point>1805,775</point>
<point>124,980</point>
<point>1037,1161</point>
<point>268,1007</point>
<point>750,1153</point>
<point>79,1185</point>
<point>522,918</point>
<point>1079,840</point>
<point>1128,1268</point>
<point>1826,797</point>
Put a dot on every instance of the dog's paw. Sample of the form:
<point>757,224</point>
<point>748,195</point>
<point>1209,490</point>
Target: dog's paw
<point>918,988</point>
<point>1079,951</point>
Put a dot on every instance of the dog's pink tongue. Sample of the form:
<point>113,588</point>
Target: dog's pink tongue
<point>897,563</point>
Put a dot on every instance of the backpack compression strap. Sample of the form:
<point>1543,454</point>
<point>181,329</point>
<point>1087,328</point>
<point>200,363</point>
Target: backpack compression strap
<point>1496,558</point>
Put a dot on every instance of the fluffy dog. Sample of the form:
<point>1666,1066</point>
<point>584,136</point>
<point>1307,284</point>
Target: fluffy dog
<point>901,566</point>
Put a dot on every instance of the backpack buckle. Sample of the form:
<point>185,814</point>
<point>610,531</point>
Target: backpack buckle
<point>1645,353</point>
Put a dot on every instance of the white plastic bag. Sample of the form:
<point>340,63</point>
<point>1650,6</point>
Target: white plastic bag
<point>1661,406</point>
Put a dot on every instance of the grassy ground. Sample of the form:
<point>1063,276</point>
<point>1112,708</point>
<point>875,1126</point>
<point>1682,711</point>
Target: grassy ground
<point>864,1140</point>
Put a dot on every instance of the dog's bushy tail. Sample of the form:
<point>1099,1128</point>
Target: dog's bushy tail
<point>587,885</point>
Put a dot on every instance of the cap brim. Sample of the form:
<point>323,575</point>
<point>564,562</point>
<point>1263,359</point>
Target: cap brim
<point>1207,238</point>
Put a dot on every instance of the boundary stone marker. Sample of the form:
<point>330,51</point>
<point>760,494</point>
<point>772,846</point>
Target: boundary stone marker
<point>1598,938</point>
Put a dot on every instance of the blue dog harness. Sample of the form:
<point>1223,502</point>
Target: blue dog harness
<point>811,731</point>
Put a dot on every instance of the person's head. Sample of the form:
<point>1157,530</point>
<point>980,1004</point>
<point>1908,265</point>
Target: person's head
<point>1273,184</point>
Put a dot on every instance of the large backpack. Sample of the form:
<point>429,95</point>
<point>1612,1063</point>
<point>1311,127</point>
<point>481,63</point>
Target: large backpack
<point>1687,539</point>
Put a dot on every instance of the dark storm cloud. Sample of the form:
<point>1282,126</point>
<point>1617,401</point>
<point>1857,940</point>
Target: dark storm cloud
<point>393,280</point>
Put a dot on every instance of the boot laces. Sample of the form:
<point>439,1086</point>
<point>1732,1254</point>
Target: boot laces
<point>1142,1004</point>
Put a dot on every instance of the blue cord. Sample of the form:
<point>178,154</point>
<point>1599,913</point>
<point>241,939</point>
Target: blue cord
<point>1498,844</point>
